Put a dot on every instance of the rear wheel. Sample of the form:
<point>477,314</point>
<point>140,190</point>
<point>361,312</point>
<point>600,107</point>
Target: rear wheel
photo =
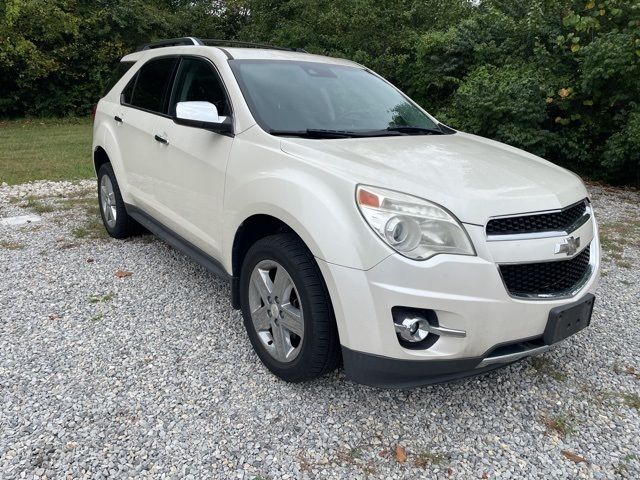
<point>287,310</point>
<point>115,218</point>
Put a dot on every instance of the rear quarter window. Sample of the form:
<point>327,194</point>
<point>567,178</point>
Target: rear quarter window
<point>116,75</point>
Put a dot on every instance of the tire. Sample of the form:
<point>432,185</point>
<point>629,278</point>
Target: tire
<point>122,226</point>
<point>317,351</point>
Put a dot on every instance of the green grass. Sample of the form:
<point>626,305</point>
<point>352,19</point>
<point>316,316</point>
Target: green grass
<point>622,469</point>
<point>615,236</point>
<point>563,425</point>
<point>8,245</point>
<point>424,459</point>
<point>546,366</point>
<point>101,298</point>
<point>92,227</point>
<point>631,400</point>
<point>38,206</point>
<point>45,149</point>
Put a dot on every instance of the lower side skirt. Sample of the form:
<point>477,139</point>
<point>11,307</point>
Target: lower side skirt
<point>177,242</point>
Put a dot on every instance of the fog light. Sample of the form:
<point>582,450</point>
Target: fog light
<point>413,329</point>
<point>416,328</point>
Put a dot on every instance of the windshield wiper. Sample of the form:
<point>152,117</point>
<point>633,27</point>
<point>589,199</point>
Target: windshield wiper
<point>409,130</point>
<point>322,133</point>
<point>312,133</point>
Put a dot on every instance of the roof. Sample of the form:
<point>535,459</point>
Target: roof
<point>268,54</point>
<point>238,53</point>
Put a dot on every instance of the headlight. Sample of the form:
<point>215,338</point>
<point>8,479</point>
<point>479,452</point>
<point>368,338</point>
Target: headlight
<point>413,227</point>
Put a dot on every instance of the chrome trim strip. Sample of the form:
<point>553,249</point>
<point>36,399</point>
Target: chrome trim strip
<point>550,260</point>
<point>512,357</point>
<point>593,261</point>
<point>447,332</point>
<point>588,212</point>
<point>540,212</point>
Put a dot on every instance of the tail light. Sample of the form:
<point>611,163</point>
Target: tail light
<point>93,112</point>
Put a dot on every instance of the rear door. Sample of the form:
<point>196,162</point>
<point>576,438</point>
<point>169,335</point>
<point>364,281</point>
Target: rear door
<point>191,166</point>
<point>143,101</point>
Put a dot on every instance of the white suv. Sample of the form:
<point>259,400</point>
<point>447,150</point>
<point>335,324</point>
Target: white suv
<point>351,224</point>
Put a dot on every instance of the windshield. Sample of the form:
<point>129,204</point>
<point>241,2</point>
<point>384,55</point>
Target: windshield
<point>289,96</point>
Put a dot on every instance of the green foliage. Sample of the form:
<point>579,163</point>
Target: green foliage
<point>556,77</point>
<point>56,55</point>
<point>505,103</point>
<point>621,151</point>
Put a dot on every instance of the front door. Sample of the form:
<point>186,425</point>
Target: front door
<point>190,172</point>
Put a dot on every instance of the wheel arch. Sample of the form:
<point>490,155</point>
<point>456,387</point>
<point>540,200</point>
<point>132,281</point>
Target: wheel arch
<point>106,148</point>
<point>322,214</point>
<point>100,157</point>
<point>252,229</point>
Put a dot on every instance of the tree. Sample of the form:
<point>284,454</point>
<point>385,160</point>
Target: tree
<point>556,77</point>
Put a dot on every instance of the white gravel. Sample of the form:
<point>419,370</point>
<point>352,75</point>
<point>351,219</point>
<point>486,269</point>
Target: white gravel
<point>152,375</point>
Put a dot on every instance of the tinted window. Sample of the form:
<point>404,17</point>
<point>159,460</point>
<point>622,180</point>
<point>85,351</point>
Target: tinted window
<point>289,95</point>
<point>125,96</point>
<point>118,73</point>
<point>198,81</point>
<point>151,87</point>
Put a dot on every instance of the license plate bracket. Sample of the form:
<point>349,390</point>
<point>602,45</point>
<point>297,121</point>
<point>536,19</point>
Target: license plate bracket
<point>569,319</point>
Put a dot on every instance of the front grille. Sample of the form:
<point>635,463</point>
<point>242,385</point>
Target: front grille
<point>543,222</point>
<point>554,278</point>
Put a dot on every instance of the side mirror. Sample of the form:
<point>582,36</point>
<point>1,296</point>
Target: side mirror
<point>202,115</point>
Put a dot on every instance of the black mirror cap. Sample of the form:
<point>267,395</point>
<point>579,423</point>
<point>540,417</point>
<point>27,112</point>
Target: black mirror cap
<point>225,128</point>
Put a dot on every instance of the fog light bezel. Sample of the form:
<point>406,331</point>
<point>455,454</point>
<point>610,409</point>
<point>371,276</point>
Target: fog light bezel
<point>399,314</point>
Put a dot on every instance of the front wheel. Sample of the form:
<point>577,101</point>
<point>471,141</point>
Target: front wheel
<point>287,310</point>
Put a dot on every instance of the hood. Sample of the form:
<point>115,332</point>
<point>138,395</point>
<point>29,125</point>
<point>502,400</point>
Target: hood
<point>473,177</point>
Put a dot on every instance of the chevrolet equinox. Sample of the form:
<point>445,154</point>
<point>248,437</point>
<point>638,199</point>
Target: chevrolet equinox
<point>350,223</point>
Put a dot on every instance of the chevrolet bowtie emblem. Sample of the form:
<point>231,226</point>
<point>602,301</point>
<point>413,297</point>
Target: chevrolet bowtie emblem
<point>568,245</point>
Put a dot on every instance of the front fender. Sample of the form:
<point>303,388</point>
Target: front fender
<point>318,205</point>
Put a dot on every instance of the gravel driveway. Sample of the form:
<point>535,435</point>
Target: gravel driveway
<point>149,373</point>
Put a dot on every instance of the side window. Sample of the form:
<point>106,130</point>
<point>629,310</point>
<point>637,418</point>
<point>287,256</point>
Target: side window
<point>151,87</point>
<point>116,75</point>
<point>127,93</point>
<point>197,80</point>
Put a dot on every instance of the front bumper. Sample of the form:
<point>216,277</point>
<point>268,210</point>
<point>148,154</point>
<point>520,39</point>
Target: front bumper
<point>378,371</point>
<point>467,293</point>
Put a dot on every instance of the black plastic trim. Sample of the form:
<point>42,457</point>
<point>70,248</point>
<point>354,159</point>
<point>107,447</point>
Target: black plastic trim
<point>226,52</point>
<point>556,330</point>
<point>172,42</point>
<point>384,372</point>
<point>446,130</point>
<point>177,242</point>
<point>216,42</point>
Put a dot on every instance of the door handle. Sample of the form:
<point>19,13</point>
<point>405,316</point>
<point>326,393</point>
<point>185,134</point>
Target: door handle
<point>162,139</point>
<point>117,119</point>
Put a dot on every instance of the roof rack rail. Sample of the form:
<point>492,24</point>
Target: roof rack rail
<point>214,42</point>
<point>172,42</point>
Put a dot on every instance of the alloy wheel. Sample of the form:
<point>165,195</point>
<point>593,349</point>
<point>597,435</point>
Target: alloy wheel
<point>108,201</point>
<point>276,311</point>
